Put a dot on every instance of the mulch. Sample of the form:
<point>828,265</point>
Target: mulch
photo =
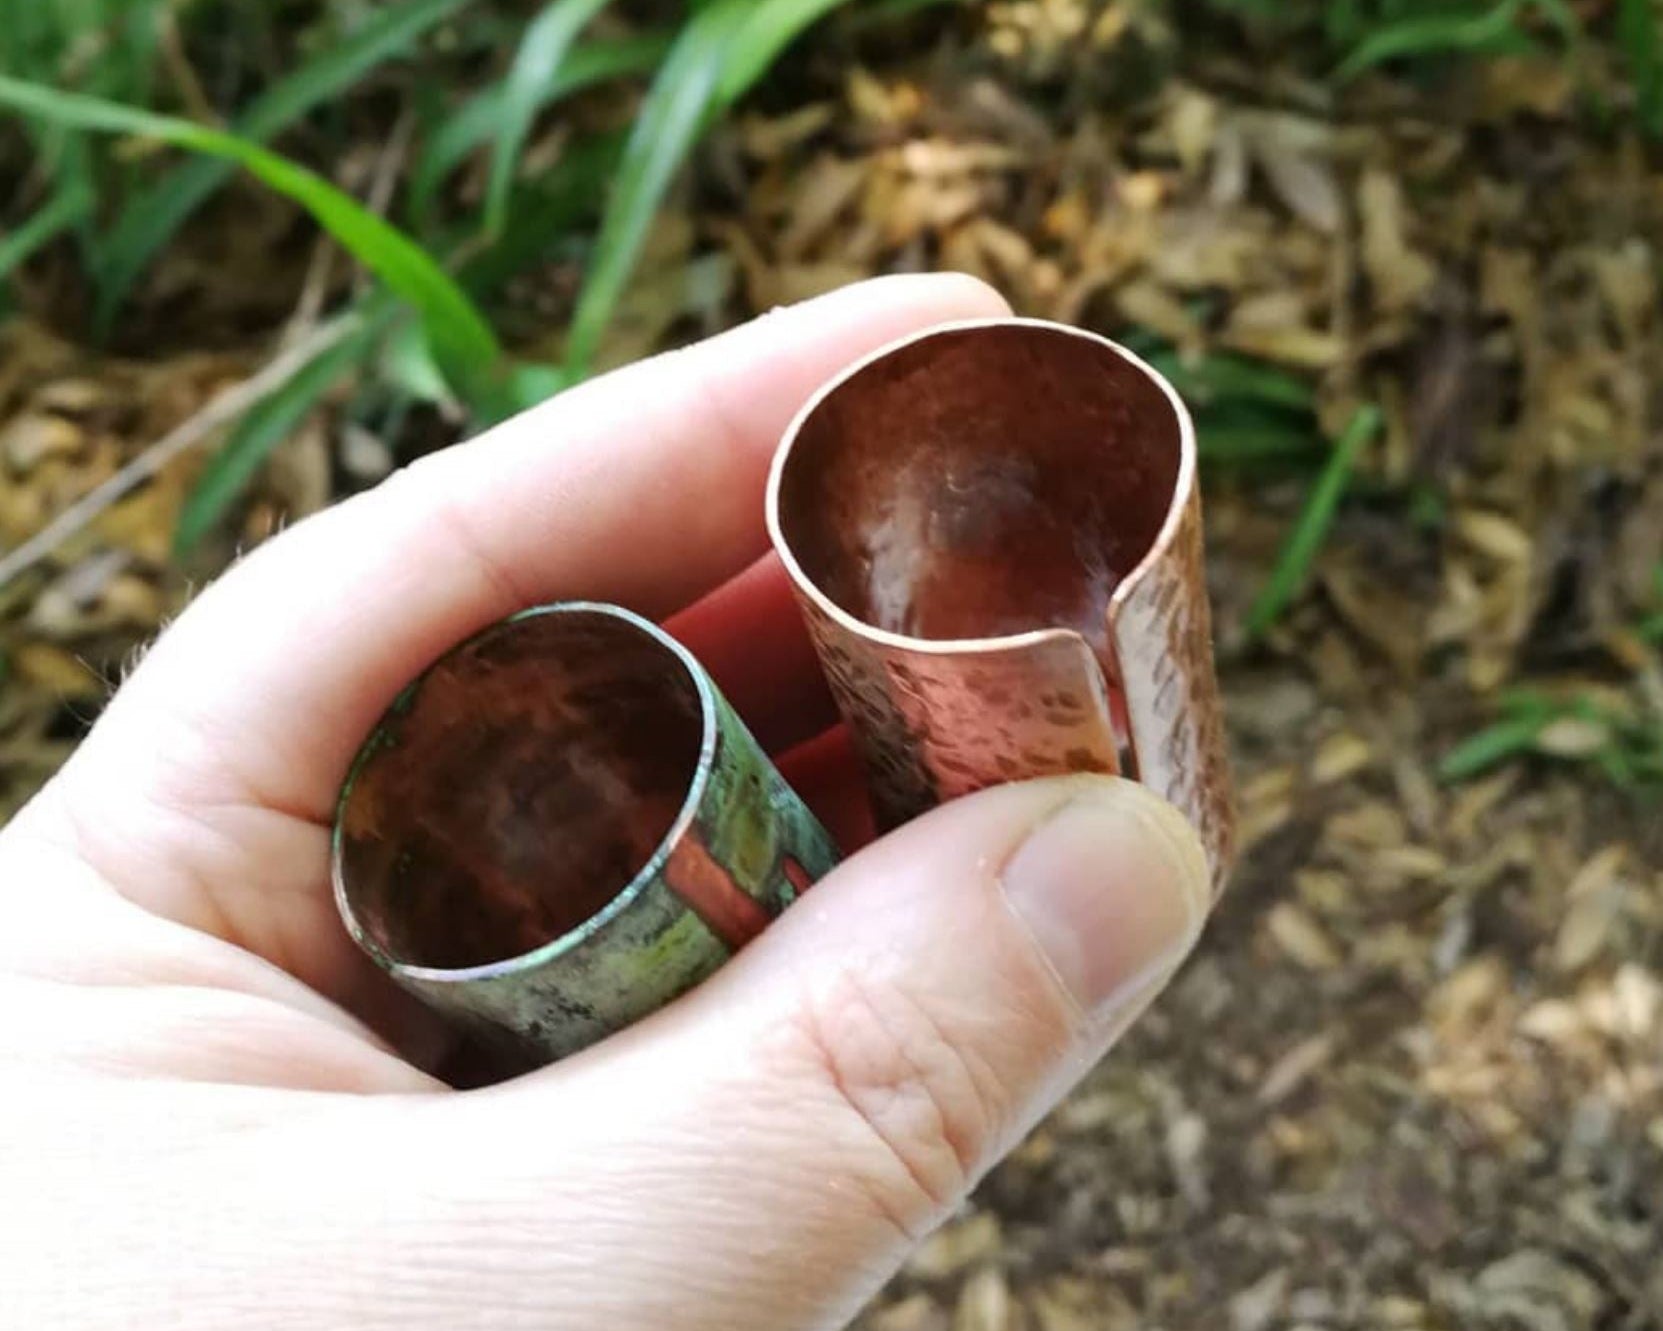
<point>1414,1076</point>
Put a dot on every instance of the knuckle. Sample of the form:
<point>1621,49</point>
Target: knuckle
<point>925,1104</point>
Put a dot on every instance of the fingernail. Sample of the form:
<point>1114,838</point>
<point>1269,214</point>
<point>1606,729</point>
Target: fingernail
<point>1113,887</point>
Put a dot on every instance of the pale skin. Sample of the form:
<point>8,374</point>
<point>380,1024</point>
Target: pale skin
<point>217,1114</point>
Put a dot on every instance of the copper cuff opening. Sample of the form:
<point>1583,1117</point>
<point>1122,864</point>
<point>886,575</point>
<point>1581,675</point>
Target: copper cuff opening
<point>562,825</point>
<point>994,531</point>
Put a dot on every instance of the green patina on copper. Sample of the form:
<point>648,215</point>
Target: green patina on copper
<point>561,826</point>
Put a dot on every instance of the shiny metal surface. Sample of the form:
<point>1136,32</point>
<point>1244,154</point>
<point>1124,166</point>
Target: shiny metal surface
<point>994,531</point>
<point>560,827</point>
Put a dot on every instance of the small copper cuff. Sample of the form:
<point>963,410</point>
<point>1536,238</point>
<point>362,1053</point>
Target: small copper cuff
<point>561,826</point>
<point>994,530</point>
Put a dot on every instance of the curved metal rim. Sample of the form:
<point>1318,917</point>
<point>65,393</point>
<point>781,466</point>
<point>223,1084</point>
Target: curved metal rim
<point>1181,487</point>
<point>574,938</point>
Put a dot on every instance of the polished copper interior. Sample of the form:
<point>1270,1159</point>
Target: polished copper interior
<point>519,788</point>
<point>981,482</point>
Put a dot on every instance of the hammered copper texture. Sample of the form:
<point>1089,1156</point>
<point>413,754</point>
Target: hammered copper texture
<point>1163,629</point>
<point>930,726</point>
<point>994,533</point>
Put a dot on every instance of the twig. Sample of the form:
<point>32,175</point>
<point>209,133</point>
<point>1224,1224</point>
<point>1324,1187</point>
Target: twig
<point>218,411</point>
<point>179,66</point>
<point>314,290</point>
<point>379,197</point>
<point>385,179</point>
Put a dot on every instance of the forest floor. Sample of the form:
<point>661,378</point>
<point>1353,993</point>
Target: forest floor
<point>1414,1076</point>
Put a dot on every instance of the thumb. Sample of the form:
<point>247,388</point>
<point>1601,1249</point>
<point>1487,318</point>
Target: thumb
<point>764,1152</point>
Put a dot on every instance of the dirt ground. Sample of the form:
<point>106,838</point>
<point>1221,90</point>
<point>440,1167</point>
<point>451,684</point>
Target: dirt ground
<point>1414,1077</point>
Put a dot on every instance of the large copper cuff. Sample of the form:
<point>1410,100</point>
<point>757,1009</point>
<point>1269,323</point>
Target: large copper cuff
<point>560,827</point>
<point>994,530</point>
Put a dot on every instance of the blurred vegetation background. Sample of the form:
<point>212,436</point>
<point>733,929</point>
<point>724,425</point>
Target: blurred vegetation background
<point>1403,257</point>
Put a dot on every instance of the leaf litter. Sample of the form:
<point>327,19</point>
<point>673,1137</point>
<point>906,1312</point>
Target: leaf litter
<point>1414,1077</point>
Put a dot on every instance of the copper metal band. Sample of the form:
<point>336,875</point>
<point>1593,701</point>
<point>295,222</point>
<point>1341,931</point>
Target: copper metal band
<point>994,530</point>
<point>561,826</point>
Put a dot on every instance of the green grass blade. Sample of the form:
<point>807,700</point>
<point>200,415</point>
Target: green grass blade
<point>547,42</point>
<point>267,425</point>
<point>1438,34</point>
<point>474,122</point>
<point>772,26</point>
<point>1343,23</point>
<point>1494,744</point>
<point>405,361</point>
<point>152,216</point>
<point>66,208</point>
<point>678,106</point>
<point>877,13</point>
<point>462,341</point>
<point>545,213</point>
<point>1255,443</point>
<point>724,48</point>
<point>1219,377</point>
<point>1294,563</point>
<point>1638,35</point>
<point>531,383</point>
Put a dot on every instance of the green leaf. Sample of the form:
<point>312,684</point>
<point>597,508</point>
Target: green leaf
<point>547,41</point>
<point>1637,32</point>
<point>1298,552</point>
<point>472,125</point>
<point>266,425</point>
<point>152,216</point>
<point>1438,34</point>
<point>406,361</point>
<point>677,109</point>
<point>1211,379</point>
<point>773,25</point>
<point>1255,443</point>
<point>68,206</point>
<point>546,213</point>
<point>1633,755</point>
<point>1495,744</point>
<point>532,382</point>
<point>462,341</point>
<point>1343,22</point>
<point>879,12</point>
<point>724,48</point>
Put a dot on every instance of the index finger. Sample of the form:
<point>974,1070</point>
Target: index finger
<point>205,793</point>
<point>644,487</point>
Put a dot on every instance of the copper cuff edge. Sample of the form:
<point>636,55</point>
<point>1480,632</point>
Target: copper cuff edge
<point>561,826</point>
<point>994,530</point>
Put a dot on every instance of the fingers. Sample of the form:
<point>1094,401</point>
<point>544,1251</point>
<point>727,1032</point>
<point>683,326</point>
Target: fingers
<point>204,793</point>
<point>762,1154</point>
<point>644,487</point>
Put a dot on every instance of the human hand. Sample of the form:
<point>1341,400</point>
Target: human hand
<point>218,1114</point>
